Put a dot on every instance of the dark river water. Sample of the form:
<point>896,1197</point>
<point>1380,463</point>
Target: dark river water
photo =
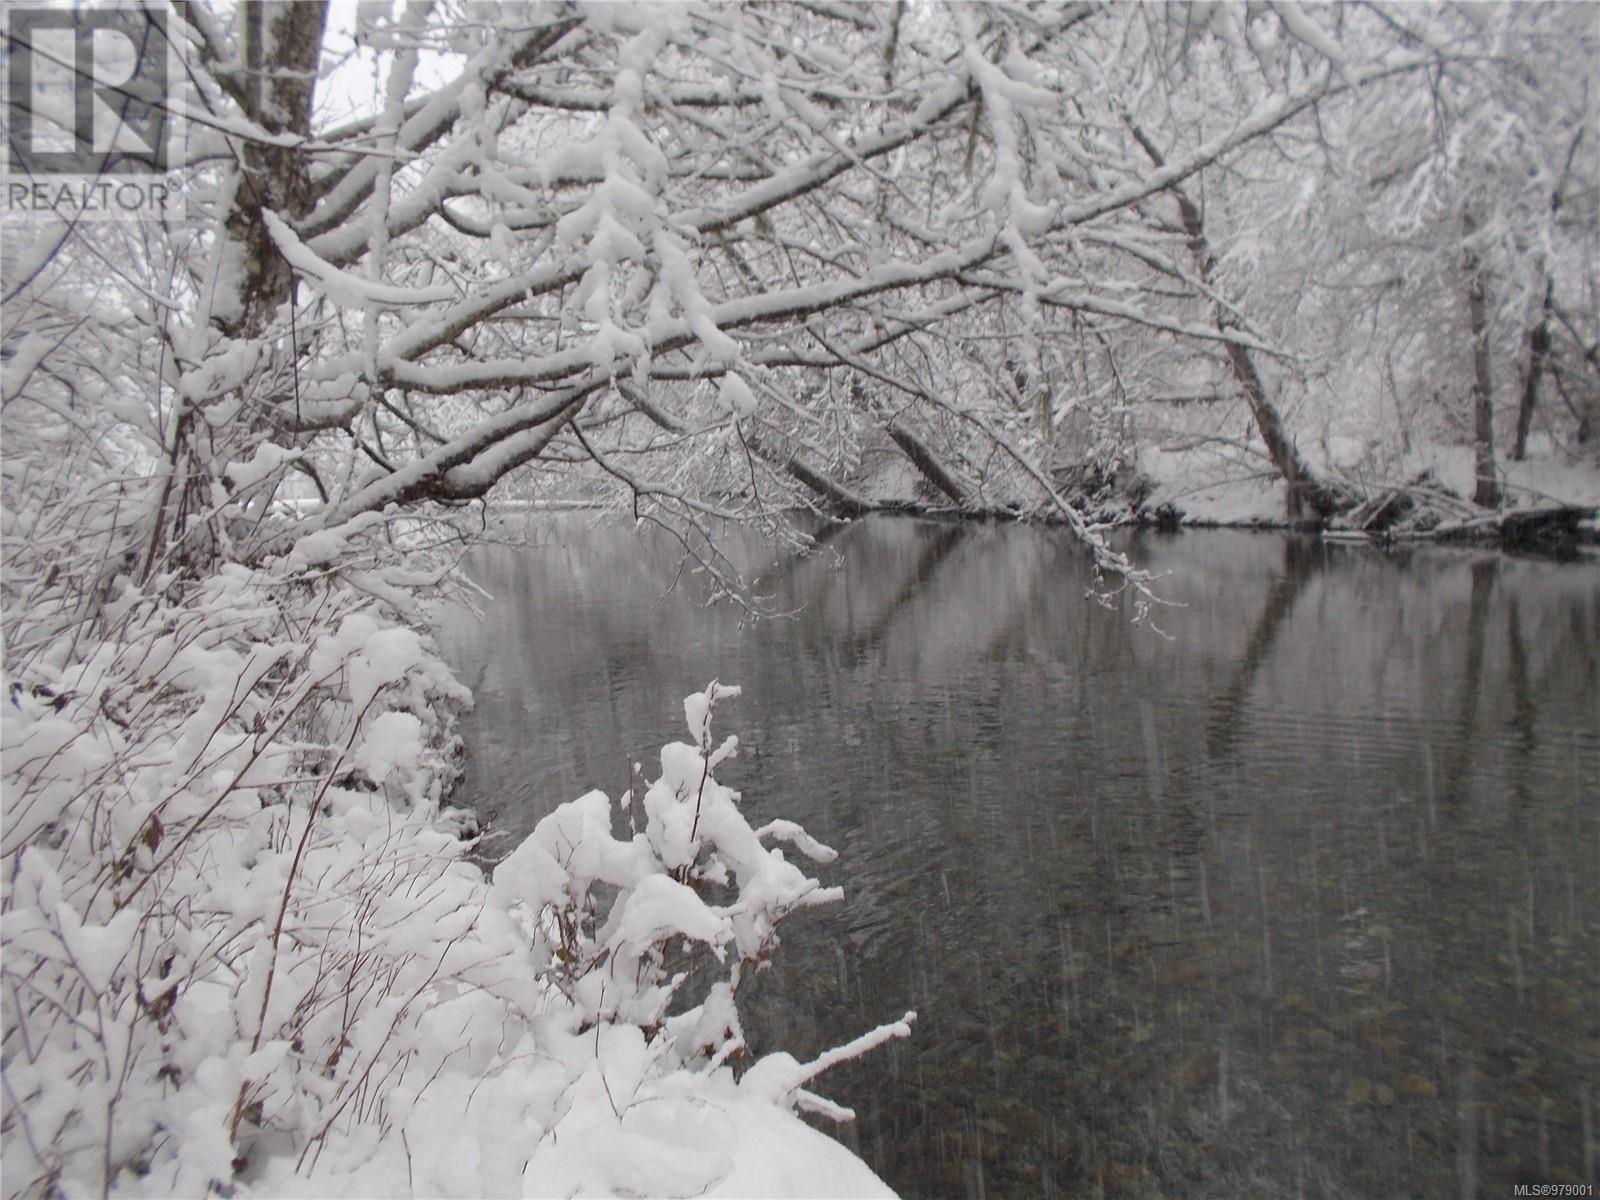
<point>1300,899</point>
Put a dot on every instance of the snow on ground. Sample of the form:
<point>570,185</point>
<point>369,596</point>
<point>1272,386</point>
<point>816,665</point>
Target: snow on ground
<point>1546,477</point>
<point>1213,489</point>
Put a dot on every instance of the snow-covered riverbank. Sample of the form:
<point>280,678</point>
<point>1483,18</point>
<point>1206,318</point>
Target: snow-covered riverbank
<point>1212,487</point>
<point>243,954</point>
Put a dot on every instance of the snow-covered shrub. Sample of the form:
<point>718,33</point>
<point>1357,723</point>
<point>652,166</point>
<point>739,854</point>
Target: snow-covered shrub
<point>222,892</point>
<point>652,1106</point>
<point>240,955</point>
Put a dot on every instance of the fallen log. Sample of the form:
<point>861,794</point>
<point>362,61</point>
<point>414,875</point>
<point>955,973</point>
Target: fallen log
<point>842,498</point>
<point>1552,527</point>
<point>1537,528</point>
<point>924,460</point>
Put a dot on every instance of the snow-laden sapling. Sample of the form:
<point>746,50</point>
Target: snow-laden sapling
<point>606,914</point>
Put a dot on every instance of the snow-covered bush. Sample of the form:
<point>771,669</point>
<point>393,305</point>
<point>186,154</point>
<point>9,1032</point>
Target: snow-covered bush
<point>241,956</point>
<point>652,1106</point>
<point>218,854</point>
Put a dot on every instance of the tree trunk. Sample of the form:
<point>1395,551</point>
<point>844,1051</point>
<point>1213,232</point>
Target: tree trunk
<point>283,47</point>
<point>1538,352</point>
<point>1486,491</point>
<point>923,459</point>
<point>1304,490</point>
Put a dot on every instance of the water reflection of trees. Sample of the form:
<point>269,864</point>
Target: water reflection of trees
<point>1302,557</point>
<point>1179,915</point>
